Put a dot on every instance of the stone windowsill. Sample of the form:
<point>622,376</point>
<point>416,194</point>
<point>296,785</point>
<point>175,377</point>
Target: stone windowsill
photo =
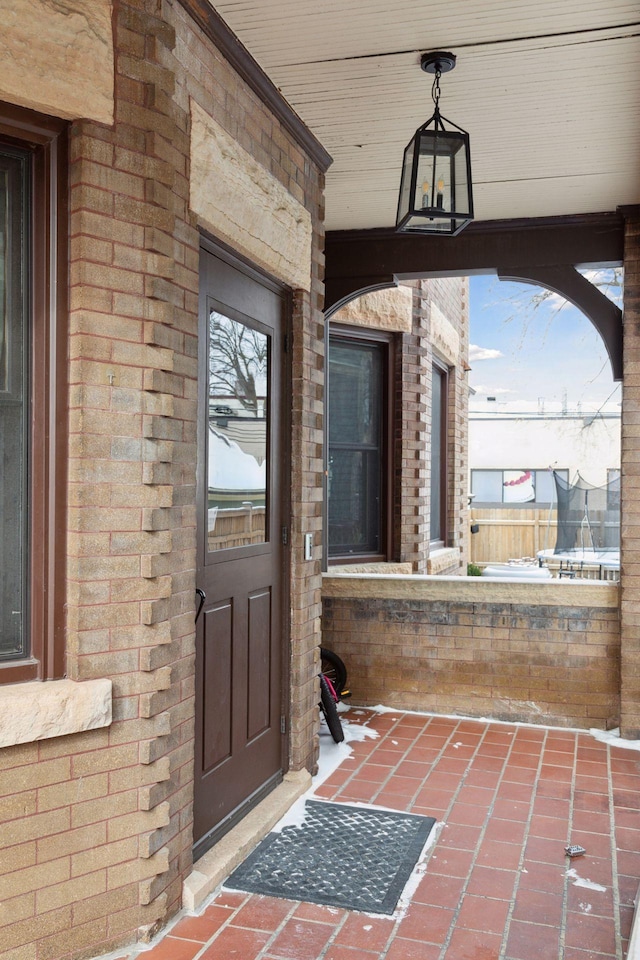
<point>444,559</point>
<point>404,568</point>
<point>55,708</point>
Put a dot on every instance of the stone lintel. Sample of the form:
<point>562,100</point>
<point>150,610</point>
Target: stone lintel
<point>57,58</point>
<point>243,204</point>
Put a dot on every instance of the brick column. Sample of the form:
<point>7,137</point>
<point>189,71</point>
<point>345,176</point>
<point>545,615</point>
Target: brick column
<point>133,375</point>
<point>630,493</point>
<point>413,378</point>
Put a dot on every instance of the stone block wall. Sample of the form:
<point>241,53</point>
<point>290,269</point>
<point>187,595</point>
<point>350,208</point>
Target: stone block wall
<point>540,653</point>
<point>97,828</point>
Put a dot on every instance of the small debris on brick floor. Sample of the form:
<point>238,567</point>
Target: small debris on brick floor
<point>574,850</point>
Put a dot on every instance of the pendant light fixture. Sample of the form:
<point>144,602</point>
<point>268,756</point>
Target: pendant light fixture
<point>435,190</point>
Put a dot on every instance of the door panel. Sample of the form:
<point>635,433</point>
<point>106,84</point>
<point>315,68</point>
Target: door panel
<point>217,668</point>
<point>259,663</point>
<point>239,637</point>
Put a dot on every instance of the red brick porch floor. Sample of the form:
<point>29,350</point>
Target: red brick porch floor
<point>496,886</point>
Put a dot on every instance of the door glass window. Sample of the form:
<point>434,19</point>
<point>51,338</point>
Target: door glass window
<point>238,434</point>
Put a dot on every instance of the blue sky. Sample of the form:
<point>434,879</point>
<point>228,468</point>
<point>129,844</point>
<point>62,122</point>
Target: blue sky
<point>521,354</point>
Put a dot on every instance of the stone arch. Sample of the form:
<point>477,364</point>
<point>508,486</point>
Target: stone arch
<point>350,294</point>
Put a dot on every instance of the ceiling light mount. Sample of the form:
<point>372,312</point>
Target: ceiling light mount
<point>438,62</point>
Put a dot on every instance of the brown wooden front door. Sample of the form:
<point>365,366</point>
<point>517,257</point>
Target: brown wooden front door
<point>241,477</point>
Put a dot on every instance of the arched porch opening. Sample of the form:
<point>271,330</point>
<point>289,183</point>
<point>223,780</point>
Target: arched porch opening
<point>547,253</point>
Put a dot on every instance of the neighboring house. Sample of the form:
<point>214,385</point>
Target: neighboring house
<point>507,439</point>
<point>514,449</point>
<point>155,183</point>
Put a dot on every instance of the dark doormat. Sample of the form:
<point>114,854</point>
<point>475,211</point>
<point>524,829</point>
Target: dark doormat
<point>358,858</point>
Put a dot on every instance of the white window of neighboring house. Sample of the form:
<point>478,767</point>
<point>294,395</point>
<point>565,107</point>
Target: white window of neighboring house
<point>515,486</point>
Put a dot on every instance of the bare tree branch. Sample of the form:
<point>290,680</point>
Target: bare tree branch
<point>238,359</point>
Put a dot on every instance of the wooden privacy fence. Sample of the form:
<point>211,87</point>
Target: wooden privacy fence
<point>236,527</point>
<point>511,533</point>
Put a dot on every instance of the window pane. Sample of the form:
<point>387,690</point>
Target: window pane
<point>354,496</point>
<point>486,486</point>
<point>355,393</point>
<point>238,420</point>
<point>545,487</point>
<point>613,489</point>
<point>13,410</point>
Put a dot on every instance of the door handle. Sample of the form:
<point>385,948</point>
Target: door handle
<point>202,595</point>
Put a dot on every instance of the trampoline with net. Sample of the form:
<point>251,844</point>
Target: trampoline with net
<point>588,526</point>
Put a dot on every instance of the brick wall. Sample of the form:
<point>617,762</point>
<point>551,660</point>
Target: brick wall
<point>479,648</point>
<point>415,359</point>
<point>630,482</point>
<point>412,381</point>
<point>100,824</point>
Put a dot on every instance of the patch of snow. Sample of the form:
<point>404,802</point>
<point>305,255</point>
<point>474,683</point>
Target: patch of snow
<point>458,744</point>
<point>294,817</point>
<point>579,881</point>
<point>367,926</point>
<point>357,732</point>
<point>527,703</point>
<point>613,738</point>
<point>331,756</point>
<point>585,907</point>
<point>417,874</point>
<point>380,708</point>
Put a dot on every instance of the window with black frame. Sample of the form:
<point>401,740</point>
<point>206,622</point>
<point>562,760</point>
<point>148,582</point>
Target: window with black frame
<point>358,424</point>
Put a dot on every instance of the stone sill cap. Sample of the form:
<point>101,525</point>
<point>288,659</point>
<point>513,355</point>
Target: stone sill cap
<point>40,710</point>
<point>426,587</point>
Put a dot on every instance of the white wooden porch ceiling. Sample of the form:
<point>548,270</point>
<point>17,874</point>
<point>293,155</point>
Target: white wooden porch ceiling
<point>548,90</point>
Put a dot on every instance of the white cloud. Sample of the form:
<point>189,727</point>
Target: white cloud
<point>483,353</point>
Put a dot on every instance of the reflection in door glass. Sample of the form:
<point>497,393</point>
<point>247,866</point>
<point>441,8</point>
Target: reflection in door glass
<point>237,466</point>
